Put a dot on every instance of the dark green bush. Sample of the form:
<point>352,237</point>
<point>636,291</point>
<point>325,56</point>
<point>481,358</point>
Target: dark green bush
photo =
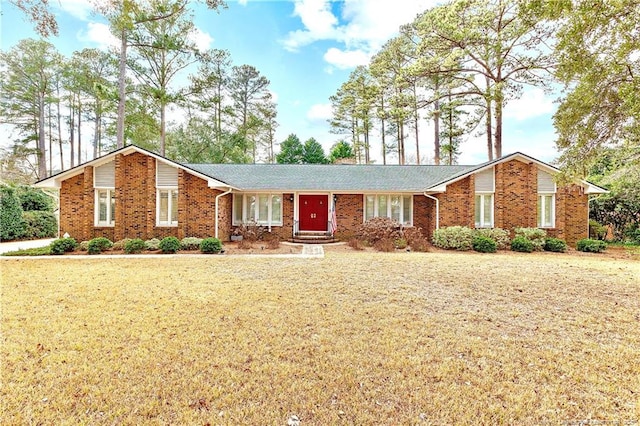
<point>98,245</point>
<point>11,224</point>
<point>521,244</point>
<point>484,244</point>
<point>555,244</point>
<point>633,235</point>
<point>39,224</point>
<point>170,245</point>
<point>63,245</point>
<point>537,236</point>
<point>135,245</point>
<point>591,246</point>
<point>211,245</point>
<point>34,199</point>
<point>596,230</point>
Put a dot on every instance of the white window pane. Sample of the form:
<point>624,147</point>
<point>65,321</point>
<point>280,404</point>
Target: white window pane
<point>102,206</point>
<point>382,206</point>
<point>395,207</point>
<point>406,209</point>
<point>548,211</point>
<point>251,208</point>
<point>370,203</point>
<point>164,206</point>
<point>276,208</point>
<point>263,208</point>
<point>174,206</point>
<point>478,214</point>
<point>488,208</point>
<point>540,218</point>
<point>237,208</point>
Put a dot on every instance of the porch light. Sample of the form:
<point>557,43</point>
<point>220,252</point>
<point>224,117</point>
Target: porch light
<point>291,198</point>
<point>335,198</point>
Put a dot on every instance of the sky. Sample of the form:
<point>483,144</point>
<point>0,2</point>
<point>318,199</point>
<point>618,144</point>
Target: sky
<point>307,49</point>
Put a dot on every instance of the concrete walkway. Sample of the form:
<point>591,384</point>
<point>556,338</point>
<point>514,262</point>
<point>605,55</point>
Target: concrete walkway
<point>22,245</point>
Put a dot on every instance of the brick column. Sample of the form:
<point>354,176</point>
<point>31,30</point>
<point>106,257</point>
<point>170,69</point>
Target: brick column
<point>120,225</point>
<point>150,216</point>
<point>88,199</point>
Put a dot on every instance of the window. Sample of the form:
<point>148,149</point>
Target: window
<point>265,209</point>
<point>484,189</point>
<point>546,200</point>
<point>105,207</point>
<point>395,206</point>
<point>167,207</point>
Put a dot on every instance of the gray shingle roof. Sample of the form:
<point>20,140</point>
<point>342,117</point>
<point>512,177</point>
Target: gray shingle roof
<point>312,177</point>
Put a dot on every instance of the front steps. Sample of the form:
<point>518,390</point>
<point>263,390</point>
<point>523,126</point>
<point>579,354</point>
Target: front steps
<point>306,237</point>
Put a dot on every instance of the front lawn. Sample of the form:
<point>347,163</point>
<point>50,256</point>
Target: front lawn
<point>354,338</point>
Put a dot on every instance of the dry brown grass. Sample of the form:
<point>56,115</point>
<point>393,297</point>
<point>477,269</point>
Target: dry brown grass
<point>355,338</point>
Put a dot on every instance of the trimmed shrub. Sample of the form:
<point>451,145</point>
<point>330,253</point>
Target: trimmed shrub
<point>135,245</point>
<point>211,245</point>
<point>34,199</point>
<point>11,224</point>
<point>499,235</point>
<point>521,244</point>
<point>596,230</point>
<point>63,245</point>
<point>401,243</point>
<point>555,244</point>
<point>484,244</point>
<point>190,243</point>
<point>356,244</point>
<point>385,245</point>
<point>120,245</point>
<point>98,245</point>
<point>411,234</point>
<point>245,244</point>
<point>272,242</point>
<point>591,246</point>
<point>170,245</point>
<point>453,238</point>
<point>152,244</point>
<point>83,246</point>
<point>379,228</point>
<point>39,224</point>
<point>419,244</point>
<point>537,236</point>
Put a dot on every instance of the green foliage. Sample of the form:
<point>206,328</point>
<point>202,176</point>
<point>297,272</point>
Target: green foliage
<point>314,153</point>
<point>484,244</point>
<point>499,235</point>
<point>401,243</point>
<point>63,245</point>
<point>11,224</point>
<point>340,150</point>
<point>379,228</point>
<point>170,245</point>
<point>291,151</point>
<point>38,251</point>
<point>211,245</point>
<point>39,224</point>
<point>555,244</point>
<point>537,236</point>
<point>83,246</point>
<point>120,245</point>
<point>34,199</point>
<point>522,244</point>
<point>633,235</point>
<point>98,245</point>
<point>596,230</point>
<point>152,244</point>
<point>135,245</point>
<point>591,246</point>
<point>453,238</point>
<point>190,243</point>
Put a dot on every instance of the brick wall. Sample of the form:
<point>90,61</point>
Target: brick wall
<point>457,204</point>
<point>349,214</point>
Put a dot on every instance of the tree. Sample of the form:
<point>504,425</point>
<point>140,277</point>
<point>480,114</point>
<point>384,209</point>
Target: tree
<point>453,129</point>
<point>313,153</point>
<point>11,224</point>
<point>340,150</point>
<point>291,151</point>
<point>38,12</point>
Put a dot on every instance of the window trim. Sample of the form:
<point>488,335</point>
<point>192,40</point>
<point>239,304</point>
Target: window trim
<point>245,219</point>
<point>542,204</point>
<point>480,224</point>
<point>169,222</point>
<point>388,195</point>
<point>111,220</point>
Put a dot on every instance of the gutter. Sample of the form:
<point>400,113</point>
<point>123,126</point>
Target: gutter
<point>437,208</point>
<point>216,221</point>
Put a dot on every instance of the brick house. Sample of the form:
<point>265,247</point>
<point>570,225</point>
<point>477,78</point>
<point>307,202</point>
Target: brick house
<point>134,193</point>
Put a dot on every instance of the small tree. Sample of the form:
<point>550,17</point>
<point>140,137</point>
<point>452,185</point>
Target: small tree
<point>340,150</point>
<point>314,153</point>
<point>11,224</point>
<point>291,151</point>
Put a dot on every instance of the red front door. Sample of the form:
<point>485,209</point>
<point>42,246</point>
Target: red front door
<point>314,212</point>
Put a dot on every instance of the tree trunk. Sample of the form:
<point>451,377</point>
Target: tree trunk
<point>60,131</point>
<point>384,144</point>
<point>79,130</point>
<point>50,142</point>
<point>497,146</point>
<point>366,142</point>
<point>436,132</point>
<point>72,127</point>
<point>121,90</point>
<point>162,129</point>
<point>416,118</point>
<point>489,122</point>
<point>42,158</point>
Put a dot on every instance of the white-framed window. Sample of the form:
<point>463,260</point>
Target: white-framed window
<point>546,200</point>
<point>398,207</point>
<point>105,207</point>
<point>167,207</point>
<point>104,182</point>
<point>484,210</point>
<point>484,190</point>
<point>264,209</point>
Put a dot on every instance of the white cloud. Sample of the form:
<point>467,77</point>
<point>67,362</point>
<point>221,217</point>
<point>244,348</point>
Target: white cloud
<point>533,103</point>
<point>99,34</point>
<point>318,20</point>
<point>320,112</point>
<point>346,59</point>
<point>80,9</point>
<point>242,2</point>
<point>201,39</point>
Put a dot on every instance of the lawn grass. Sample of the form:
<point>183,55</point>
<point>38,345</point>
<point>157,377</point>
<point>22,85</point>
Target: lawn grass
<point>354,338</point>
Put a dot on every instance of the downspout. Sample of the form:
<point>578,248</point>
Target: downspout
<point>437,208</point>
<point>217,198</point>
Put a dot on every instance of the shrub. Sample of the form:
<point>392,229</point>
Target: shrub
<point>245,244</point>
<point>633,235</point>
<point>484,244</point>
<point>453,238</point>
<point>169,245</point>
<point>211,245</point>
<point>190,243</point>
<point>591,246</point>
<point>521,244</point>
<point>411,234</point>
<point>385,245</point>
<point>11,224</point>
<point>401,243</point>
<point>555,244</point>
<point>537,236</point>
<point>596,230</point>
<point>419,244</point>
<point>499,235</point>
<point>34,199</point>
<point>120,245</point>
<point>135,245</point>
<point>273,242</point>
<point>152,244</point>
<point>63,245</point>
<point>356,244</point>
<point>250,231</point>
<point>39,224</point>
<point>98,245</point>
<point>379,228</point>
<point>83,246</point>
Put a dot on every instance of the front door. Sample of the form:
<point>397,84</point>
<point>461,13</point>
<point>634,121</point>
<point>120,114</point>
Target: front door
<point>314,212</point>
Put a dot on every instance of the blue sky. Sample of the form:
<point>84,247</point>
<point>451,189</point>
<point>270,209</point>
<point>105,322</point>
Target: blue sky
<point>306,48</point>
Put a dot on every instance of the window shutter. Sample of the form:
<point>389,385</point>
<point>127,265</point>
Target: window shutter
<point>484,181</point>
<point>545,182</point>
<point>105,176</point>
<point>166,175</point>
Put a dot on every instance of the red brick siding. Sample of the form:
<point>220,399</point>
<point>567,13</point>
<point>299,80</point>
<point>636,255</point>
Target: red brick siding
<point>457,204</point>
<point>424,214</point>
<point>515,199</point>
<point>349,214</point>
<point>73,215</point>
